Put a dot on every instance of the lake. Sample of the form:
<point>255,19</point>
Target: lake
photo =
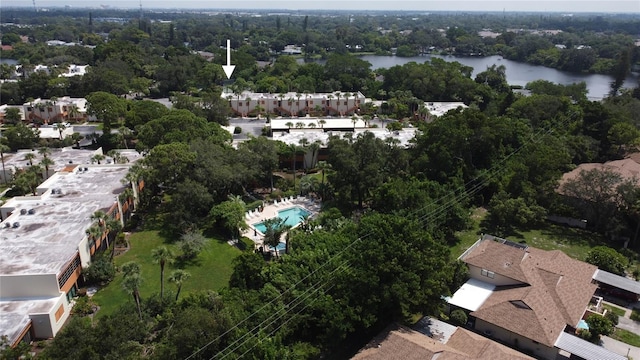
<point>518,73</point>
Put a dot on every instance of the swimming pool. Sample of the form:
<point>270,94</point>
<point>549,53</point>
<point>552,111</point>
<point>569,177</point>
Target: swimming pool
<point>291,216</point>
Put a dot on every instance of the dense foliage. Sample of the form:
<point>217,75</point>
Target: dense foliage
<point>379,250</point>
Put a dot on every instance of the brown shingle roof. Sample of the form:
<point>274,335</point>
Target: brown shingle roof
<point>555,292</point>
<point>401,343</point>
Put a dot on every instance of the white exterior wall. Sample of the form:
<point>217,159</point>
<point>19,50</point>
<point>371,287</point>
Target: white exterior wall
<point>85,252</point>
<point>25,286</point>
<point>498,280</point>
<point>45,325</point>
<point>516,341</point>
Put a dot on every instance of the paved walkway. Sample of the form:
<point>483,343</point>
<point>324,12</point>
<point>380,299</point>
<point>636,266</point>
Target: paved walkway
<point>270,211</point>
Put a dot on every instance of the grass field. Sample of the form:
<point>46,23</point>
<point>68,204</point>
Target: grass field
<point>574,242</point>
<point>614,309</point>
<point>210,270</point>
<point>626,337</point>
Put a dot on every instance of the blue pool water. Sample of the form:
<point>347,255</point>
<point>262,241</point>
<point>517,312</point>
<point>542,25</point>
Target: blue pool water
<point>292,216</point>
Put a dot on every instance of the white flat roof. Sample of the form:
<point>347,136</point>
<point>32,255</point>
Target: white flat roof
<point>330,123</point>
<point>47,240</point>
<point>312,135</point>
<point>472,294</point>
<point>61,158</point>
<point>15,314</point>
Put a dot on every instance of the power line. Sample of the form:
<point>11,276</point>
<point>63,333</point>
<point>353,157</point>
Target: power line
<point>451,200</point>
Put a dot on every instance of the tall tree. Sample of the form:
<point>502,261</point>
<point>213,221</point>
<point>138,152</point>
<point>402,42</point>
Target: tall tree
<point>106,107</point>
<point>178,277</point>
<point>162,255</point>
<point>131,284</point>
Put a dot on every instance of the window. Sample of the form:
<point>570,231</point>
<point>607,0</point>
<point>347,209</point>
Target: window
<point>487,273</point>
<point>66,274</point>
<point>345,103</point>
<point>274,103</point>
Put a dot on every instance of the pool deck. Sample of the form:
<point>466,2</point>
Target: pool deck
<point>271,211</point>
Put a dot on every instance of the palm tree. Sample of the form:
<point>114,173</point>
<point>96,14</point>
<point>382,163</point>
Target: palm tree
<point>354,120</point>
<point>274,229</point>
<point>94,233</point>
<point>113,227</point>
<point>338,101</point>
<point>294,150</point>
<point>76,137</point>
<point>101,218</point>
<point>290,102</point>
<point>178,277</point>
<point>299,125</point>
<point>314,147</point>
<point>329,97</point>
<point>131,284</point>
<point>298,95</point>
<point>73,112</point>
<point>60,127</point>
<point>322,122</point>
<point>3,149</point>
<point>97,158</point>
<point>346,97</point>
<point>46,162</point>
<point>323,166</point>
<point>162,255</point>
<point>312,125</point>
<point>289,124</point>
<point>236,225</point>
<point>29,157</point>
<point>44,151</point>
<point>130,268</point>
<point>124,133</point>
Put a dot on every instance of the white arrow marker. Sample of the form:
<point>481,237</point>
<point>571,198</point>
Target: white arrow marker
<point>228,69</point>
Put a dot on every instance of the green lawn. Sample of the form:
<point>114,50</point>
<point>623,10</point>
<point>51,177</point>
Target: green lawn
<point>210,270</point>
<point>574,242</point>
<point>626,337</point>
<point>614,309</point>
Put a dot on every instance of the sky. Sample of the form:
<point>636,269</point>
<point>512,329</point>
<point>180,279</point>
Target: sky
<point>566,6</point>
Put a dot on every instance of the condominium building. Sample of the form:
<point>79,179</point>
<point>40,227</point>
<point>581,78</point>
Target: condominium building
<point>56,110</point>
<point>294,104</point>
<point>44,245</point>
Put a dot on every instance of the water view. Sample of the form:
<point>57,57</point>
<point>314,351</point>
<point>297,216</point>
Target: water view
<point>518,73</point>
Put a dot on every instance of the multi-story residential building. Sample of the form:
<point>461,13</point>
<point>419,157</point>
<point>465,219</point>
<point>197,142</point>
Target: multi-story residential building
<point>44,245</point>
<point>294,104</point>
<point>56,110</point>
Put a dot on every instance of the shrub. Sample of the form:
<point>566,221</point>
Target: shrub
<point>584,334</point>
<point>635,315</point>
<point>237,130</point>
<point>84,306</point>
<point>191,244</point>
<point>612,317</point>
<point>101,270</point>
<point>458,317</point>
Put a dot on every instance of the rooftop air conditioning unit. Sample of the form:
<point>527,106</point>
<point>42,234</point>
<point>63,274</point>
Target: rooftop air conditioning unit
<point>31,211</point>
<point>16,225</point>
<point>7,225</point>
<point>23,211</point>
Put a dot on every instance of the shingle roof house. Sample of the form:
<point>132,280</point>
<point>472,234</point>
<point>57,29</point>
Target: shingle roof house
<point>537,293</point>
<point>401,343</point>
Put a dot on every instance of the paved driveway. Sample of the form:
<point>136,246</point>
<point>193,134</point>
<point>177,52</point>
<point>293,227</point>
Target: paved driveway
<point>629,325</point>
<point>620,348</point>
